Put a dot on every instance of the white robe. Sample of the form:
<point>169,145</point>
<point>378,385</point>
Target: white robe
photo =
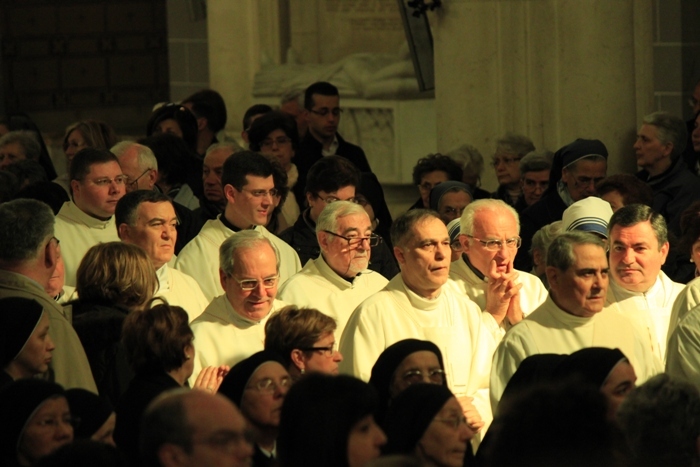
<point>532,294</point>
<point>318,286</point>
<point>224,337</point>
<point>649,311</point>
<point>549,329</point>
<point>687,299</point>
<point>200,257</point>
<point>683,357</point>
<point>181,290</point>
<point>451,321</point>
<point>78,232</point>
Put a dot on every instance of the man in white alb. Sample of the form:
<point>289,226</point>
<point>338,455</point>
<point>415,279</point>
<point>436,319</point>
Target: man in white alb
<point>573,316</point>
<point>147,218</point>
<point>232,327</point>
<point>338,280</point>
<point>250,192</point>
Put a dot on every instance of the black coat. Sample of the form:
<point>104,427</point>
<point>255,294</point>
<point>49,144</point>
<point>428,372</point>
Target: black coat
<point>547,210</point>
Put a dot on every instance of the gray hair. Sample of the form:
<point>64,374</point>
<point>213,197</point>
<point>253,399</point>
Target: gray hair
<point>515,144</point>
<point>467,220</point>
<point>560,253</point>
<point>243,240</point>
<point>144,155</point>
<point>233,146</point>
<point>470,157</point>
<point>25,224</point>
<point>670,129</point>
<point>545,236</point>
<point>661,422</point>
<point>328,219</point>
<point>32,148</point>
<point>293,95</point>
<point>633,214</point>
<point>165,422</point>
<point>536,161</point>
<point>401,228</point>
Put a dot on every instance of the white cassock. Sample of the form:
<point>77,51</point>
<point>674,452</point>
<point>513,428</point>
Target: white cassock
<point>683,356</point>
<point>451,321</point>
<point>318,286</point>
<point>78,232</point>
<point>549,329</point>
<point>688,299</point>
<point>200,257</point>
<point>181,290</point>
<point>649,311</point>
<point>532,294</point>
<point>224,337</point>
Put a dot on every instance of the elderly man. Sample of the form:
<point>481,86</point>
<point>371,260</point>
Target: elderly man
<point>338,280</point>
<point>659,146</point>
<point>639,289</point>
<point>97,184</point>
<point>17,146</point>
<point>147,219</point>
<point>184,428</point>
<point>214,200</point>
<point>249,191</point>
<point>489,231</point>
<point>28,258</point>
<point>534,177</point>
<point>573,316</point>
<point>232,327</point>
<point>576,169</point>
<point>417,304</point>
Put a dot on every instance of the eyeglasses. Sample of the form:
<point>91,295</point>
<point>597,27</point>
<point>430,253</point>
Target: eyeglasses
<point>325,111</point>
<point>102,182</point>
<point>435,375</point>
<point>534,183</point>
<point>361,200</point>
<point>269,386</point>
<point>454,422</point>
<point>262,193</point>
<point>279,141</point>
<point>373,239</point>
<point>505,160</point>
<point>333,199</point>
<point>497,245</point>
<point>456,245</point>
<point>133,185</point>
<point>252,284</point>
<point>326,351</point>
<point>427,186</point>
<point>449,210</point>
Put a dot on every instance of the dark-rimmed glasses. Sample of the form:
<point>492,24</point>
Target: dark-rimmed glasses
<point>435,375</point>
<point>497,245</point>
<point>373,239</point>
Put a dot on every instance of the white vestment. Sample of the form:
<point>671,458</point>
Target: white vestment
<point>182,290</point>
<point>451,321</point>
<point>78,232</point>
<point>688,299</point>
<point>318,286</point>
<point>649,311</point>
<point>224,337</point>
<point>200,257</point>
<point>532,294</point>
<point>549,329</point>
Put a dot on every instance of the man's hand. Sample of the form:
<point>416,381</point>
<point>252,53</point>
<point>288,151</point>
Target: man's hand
<point>502,294</point>
<point>474,421</point>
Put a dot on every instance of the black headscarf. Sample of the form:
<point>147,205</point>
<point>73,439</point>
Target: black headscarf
<point>18,319</point>
<point>236,380</point>
<point>90,409</point>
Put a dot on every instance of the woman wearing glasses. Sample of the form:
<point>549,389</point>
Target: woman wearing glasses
<point>304,338</point>
<point>258,385</point>
<point>426,421</point>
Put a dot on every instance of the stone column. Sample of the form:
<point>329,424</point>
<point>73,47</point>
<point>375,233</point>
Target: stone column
<point>554,70</point>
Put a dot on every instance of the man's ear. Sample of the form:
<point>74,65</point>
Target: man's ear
<point>123,231</point>
<point>74,188</point>
<point>172,455</point>
<point>230,193</point>
<point>153,176</point>
<point>51,255</point>
<point>399,255</point>
<point>323,240</point>
<point>222,279</point>
<point>552,275</point>
<point>464,241</point>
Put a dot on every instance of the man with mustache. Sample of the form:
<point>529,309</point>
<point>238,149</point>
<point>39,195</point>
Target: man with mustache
<point>232,327</point>
<point>338,280</point>
<point>573,316</point>
<point>484,272</point>
<point>639,288</point>
<point>250,191</point>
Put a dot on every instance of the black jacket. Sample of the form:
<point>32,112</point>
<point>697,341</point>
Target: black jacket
<point>302,237</point>
<point>547,210</point>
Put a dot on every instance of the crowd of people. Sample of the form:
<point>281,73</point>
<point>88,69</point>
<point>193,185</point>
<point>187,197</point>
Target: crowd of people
<point>184,301</point>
